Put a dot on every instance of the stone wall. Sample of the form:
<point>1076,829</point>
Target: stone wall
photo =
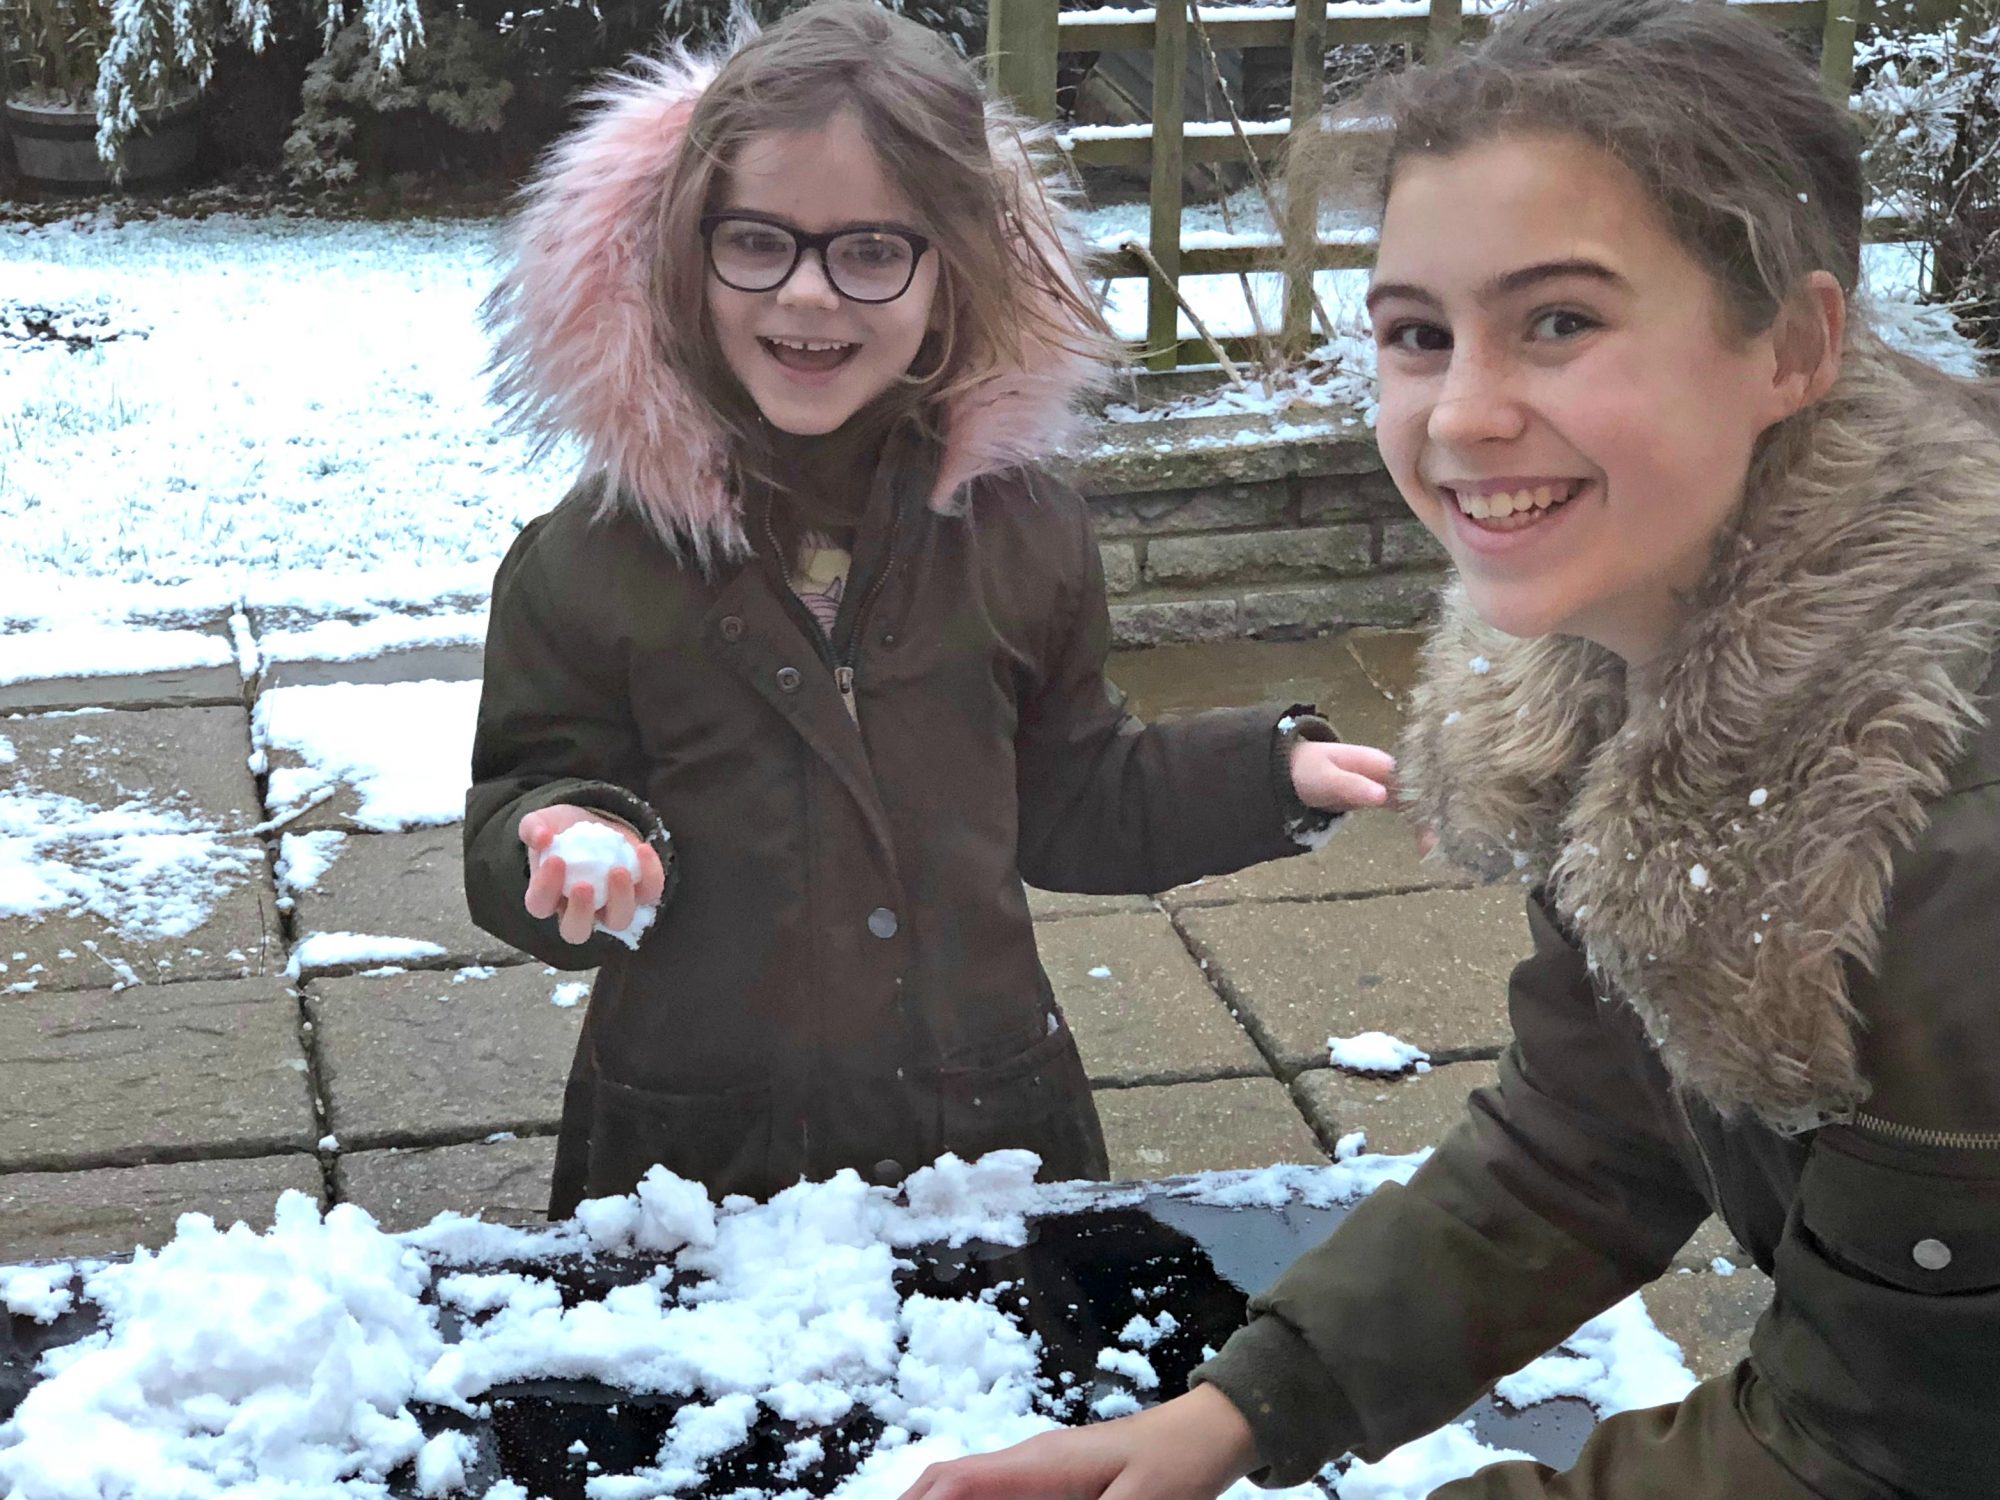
<point>1276,528</point>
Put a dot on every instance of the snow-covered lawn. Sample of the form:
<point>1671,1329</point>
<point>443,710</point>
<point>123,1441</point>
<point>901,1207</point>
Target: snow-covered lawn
<point>294,1364</point>
<point>292,413</point>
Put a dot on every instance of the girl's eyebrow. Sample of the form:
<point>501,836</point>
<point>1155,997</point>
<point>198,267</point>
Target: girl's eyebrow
<point>1508,283</point>
<point>759,216</point>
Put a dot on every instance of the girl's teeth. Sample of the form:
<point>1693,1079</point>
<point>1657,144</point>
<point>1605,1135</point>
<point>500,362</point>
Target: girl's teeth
<point>1504,503</point>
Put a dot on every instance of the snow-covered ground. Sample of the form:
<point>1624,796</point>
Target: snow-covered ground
<point>287,1365</point>
<point>293,414</point>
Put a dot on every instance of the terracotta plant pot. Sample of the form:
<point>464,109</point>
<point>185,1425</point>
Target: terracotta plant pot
<point>55,145</point>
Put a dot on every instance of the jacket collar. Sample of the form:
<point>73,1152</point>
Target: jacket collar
<point>1723,852</point>
<point>575,341</point>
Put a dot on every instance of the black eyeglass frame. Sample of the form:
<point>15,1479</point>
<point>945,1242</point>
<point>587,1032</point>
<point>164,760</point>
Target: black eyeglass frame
<point>818,244</point>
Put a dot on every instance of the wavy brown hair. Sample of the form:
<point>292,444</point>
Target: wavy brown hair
<point>963,162</point>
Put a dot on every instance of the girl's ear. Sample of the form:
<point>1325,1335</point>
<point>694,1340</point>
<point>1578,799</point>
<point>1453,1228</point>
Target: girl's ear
<point>1810,335</point>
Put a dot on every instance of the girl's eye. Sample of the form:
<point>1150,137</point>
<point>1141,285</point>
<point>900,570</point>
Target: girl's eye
<point>1561,324</point>
<point>755,241</point>
<point>1415,338</point>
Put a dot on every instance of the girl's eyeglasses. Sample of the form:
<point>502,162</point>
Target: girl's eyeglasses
<point>867,263</point>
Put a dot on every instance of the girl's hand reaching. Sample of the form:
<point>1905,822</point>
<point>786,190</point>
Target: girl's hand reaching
<point>1337,777</point>
<point>1192,1448</point>
<point>578,905</point>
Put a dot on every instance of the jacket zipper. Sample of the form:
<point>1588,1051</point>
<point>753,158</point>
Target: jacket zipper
<point>843,669</point>
<point>1936,1140</point>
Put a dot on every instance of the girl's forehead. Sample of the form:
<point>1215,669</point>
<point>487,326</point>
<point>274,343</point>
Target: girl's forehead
<point>816,176</point>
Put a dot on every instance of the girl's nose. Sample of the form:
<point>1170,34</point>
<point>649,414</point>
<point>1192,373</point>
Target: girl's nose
<point>1477,404</point>
<point>808,285</point>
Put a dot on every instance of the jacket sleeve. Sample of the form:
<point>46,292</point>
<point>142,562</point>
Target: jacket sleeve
<point>1884,1346</point>
<point>1110,804</point>
<point>1562,1191</point>
<point>554,727</point>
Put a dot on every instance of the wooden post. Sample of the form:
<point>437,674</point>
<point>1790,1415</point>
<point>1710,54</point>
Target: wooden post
<point>1836,49</point>
<point>1021,54</point>
<point>1447,25</point>
<point>1301,225</point>
<point>1169,115</point>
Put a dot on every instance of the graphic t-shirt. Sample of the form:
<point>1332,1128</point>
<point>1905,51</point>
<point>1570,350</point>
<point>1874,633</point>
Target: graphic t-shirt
<point>820,578</point>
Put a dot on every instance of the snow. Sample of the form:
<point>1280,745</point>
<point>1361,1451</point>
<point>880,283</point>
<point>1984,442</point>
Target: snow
<point>38,1292</point>
<point>102,651</point>
<point>571,994</point>
<point>335,950</point>
<point>303,858</point>
<point>1376,1052</point>
<point>287,1364</point>
<point>590,851</point>
<point>357,640</point>
<point>404,747</point>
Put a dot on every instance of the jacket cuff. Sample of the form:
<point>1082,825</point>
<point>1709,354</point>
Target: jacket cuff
<point>1300,1417</point>
<point>1308,827</point>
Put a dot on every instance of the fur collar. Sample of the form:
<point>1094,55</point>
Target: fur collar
<point>1723,853</point>
<point>574,354</point>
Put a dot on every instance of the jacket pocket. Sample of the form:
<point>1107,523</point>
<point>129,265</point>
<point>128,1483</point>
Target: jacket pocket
<point>1037,1098</point>
<point>1921,1221</point>
<point>721,1140</point>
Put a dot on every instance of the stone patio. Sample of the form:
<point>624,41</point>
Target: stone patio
<point>154,1074</point>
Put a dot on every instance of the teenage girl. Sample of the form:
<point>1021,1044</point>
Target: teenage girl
<point>814,613</point>
<point>1719,680</point>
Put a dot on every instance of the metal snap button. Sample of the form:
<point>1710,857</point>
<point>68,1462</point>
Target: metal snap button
<point>732,629</point>
<point>789,679</point>
<point>882,922</point>
<point>888,638</point>
<point>1932,1255</point>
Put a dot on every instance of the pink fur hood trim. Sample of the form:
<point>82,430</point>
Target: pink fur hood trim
<point>575,338</point>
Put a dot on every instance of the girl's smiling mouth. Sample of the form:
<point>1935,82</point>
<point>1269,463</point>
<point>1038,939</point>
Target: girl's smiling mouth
<point>1509,505</point>
<point>808,356</point>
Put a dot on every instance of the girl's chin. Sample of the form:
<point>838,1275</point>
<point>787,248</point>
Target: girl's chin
<point>1506,611</point>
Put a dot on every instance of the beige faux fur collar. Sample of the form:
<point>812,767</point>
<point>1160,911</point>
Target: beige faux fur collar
<point>1725,851</point>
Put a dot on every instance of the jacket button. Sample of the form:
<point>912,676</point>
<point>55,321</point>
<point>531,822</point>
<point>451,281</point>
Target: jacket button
<point>888,1172</point>
<point>888,638</point>
<point>882,922</point>
<point>1932,1255</point>
<point>732,629</point>
<point>789,679</point>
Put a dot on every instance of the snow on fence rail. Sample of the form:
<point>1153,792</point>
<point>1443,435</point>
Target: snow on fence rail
<point>1024,38</point>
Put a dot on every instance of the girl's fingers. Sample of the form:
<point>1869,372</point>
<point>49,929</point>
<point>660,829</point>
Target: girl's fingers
<point>538,830</point>
<point>1346,789</point>
<point>652,876</point>
<point>579,913</point>
<point>619,901</point>
<point>1366,760</point>
<point>545,886</point>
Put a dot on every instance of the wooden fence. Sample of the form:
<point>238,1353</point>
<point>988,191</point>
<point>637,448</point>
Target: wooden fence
<point>1025,37</point>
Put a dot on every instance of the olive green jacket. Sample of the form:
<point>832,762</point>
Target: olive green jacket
<point>1765,903</point>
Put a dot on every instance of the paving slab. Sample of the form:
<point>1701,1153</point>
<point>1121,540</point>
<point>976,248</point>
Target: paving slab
<point>1372,853</point>
<point>1397,1115</point>
<point>1229,1125</point>
<point>227,927</point>
<point>420,664</point>
<point>1430,968</point>
<point>503,1182</point>
<point>153,1073</point>
<point>1393,660</point>
<point>189,761</point>
<point>397,886</point>
<point>1050,906</point>
<point>191,685</point>
<point>1237,673</point>
<point>1709,1315</point>
<point>1141,1011</point>
<point>429,1056</point>
<point>56,1215</point>
<point>1711,1240</point>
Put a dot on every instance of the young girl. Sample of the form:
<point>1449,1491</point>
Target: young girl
<point>1719,680</point>
<point>809,316</point>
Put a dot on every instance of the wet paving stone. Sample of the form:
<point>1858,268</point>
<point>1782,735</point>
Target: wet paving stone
<point>1430,968</point>
<point>398,887</point>
<point>436,1056</point>
<point>1229,1125</point>
<point>502,1182</point>
<point>1141,1011</point>
<point>1396,1115</point>
<point>58,1215</point>
<point>100,1078</point>
<point>1710,1315</point>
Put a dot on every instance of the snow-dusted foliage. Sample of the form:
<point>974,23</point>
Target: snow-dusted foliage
<point>1929,102</point>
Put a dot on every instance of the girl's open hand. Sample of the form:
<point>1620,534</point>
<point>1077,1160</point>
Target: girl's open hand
<point>1338,777</point>
<point>1192,1448</point>
<point>579,907</point>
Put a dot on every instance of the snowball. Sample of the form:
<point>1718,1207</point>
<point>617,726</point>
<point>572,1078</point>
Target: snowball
<point>590,852</point>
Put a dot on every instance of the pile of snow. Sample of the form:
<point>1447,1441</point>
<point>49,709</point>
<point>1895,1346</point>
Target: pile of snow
<point>1376,1052</point>
<point>403,747</point>
<point>293,1362</point>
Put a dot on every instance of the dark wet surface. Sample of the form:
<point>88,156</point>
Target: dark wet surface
<point>1077,1284</point>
